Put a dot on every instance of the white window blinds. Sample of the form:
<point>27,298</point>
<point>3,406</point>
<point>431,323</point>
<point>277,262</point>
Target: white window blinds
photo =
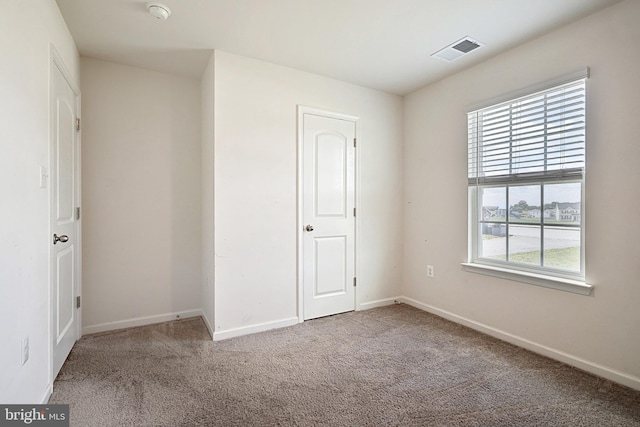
<point>532,138</point>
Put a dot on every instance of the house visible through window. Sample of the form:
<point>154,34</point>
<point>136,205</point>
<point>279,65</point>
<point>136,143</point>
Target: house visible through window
<point>526,182</point>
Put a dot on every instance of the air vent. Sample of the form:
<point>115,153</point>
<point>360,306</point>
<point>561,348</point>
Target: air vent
<point>457,49</point>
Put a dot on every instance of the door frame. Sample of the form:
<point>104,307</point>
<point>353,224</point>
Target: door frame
<point>302,110</point>
<point>56,62</point>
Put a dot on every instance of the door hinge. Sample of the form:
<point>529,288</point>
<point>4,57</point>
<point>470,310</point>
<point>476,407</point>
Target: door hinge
<point>354,143</point>
<point>77,214</point>
<point>354,281</point>
<point>78,301</point>
<point>354,211</point>
<point>77,124</point>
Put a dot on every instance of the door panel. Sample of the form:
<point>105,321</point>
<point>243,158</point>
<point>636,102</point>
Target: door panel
<point>64,195</point>
<point>64,294</point>
<point>331,254</point>
<point>331,170</point>
<point>64,161</point>
<point>328,201</point>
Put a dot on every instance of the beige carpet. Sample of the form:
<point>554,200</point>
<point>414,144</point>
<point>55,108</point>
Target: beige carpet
<point>388,366</point>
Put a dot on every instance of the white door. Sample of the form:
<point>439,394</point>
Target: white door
<point>328,215</point>
<point>63,226</point>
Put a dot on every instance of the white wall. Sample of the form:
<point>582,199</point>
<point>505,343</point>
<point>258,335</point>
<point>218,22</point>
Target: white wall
<point>207,196</point>
<point>255,188</point>
<point>26,30</point>
<point>599,333</point>
<point>141,195</point>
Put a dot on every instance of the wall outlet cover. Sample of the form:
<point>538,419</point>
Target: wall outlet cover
<point>430,272</point>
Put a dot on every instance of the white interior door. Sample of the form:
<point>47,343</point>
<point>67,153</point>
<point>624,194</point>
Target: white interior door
<point>63,226</point>
<point>328,215</point>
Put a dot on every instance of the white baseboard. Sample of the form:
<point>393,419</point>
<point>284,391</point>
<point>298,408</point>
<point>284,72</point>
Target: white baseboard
<point>252,329</point>
<point>378,303</point>
<point>140,321</point>
<point>208,324</point>
<point>47,394</point>
<point>594,368</point>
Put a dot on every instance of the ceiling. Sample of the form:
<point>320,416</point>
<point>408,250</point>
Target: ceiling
<point>381,44</point>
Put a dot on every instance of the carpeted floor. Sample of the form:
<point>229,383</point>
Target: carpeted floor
<point>388,366</point>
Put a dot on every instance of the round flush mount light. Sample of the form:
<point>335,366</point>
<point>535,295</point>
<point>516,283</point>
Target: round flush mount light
<point>159,10</point>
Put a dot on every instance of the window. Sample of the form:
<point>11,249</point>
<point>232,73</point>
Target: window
<point>526,183</point>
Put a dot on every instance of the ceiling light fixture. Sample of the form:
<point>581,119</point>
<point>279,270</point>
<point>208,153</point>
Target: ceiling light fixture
<point>159,10</point>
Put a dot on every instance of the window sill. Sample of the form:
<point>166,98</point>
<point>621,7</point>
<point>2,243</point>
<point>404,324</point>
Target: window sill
<point>567,285</point>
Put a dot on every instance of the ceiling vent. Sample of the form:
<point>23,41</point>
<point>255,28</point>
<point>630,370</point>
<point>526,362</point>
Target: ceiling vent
<point>457,49</point>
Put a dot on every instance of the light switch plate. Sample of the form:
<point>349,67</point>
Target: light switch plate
<point>25,350</point>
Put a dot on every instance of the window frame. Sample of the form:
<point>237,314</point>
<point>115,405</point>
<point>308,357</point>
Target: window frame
<point>475,224</point>
<point>550,277</point>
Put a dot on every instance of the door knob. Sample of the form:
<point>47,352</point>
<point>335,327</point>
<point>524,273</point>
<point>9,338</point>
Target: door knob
<point>64,238</point>
<point>309,228</point>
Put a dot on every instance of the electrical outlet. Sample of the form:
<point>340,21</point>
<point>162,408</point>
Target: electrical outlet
<point>25,350</point>
<point>430,271</point>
